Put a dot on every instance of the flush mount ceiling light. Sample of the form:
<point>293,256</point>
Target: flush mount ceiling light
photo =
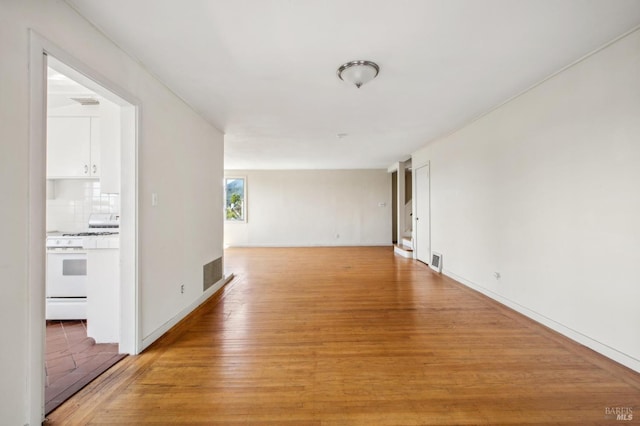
<point>358,72</point>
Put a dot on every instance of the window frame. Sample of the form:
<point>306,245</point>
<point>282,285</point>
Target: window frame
<point>244,199</point>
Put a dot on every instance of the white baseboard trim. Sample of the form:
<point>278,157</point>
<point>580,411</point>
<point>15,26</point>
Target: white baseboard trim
<point>609,352</point>
<point>156,334</point>
<point>291,245</point>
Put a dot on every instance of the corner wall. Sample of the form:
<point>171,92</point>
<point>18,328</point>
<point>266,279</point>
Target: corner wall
<point>544,190</point>
<point>180,158</point>
<point>314,208</point>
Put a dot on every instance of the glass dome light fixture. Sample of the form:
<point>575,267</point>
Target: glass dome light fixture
<point>358,72</point>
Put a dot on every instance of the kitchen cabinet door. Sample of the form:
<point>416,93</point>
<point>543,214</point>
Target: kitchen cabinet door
<point>73,147</point>
<point>103,295</point>
<point>68,147</point>
<point>96,163</point>
<point>110,139</point>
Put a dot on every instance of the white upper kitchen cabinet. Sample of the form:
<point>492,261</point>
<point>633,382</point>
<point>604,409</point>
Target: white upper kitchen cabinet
<point>95,157</point>
<point>73,147</point>
<point>110,139</point>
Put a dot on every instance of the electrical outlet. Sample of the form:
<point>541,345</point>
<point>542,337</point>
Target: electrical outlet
<point>182,288</point>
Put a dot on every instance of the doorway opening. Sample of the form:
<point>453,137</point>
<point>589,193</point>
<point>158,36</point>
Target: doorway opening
<point>83,193</point>
<point>402,212</point>
<point>82,285</point>
<point>394,210</point>
<point>422,229</point>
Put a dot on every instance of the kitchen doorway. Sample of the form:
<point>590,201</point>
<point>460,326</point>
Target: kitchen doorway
<point>82,282</point>
<point>423,218</point>
<point>101,193</point>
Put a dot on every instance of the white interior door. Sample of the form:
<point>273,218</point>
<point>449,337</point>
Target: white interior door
<point>423,227</point>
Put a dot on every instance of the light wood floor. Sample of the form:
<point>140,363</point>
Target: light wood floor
<point>344,336</point>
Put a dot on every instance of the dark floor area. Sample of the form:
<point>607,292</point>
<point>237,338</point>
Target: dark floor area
<point>72,360</point>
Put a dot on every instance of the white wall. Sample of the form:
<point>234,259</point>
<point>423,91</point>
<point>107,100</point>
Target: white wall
<point>180,158</point>
<point>544,190</point>
<point>313,207</point>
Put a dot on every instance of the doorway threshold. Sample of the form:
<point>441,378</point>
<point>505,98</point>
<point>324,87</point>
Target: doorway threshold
<point>73,360</point>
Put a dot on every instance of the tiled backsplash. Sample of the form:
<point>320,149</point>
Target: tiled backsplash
<point>70,201</point>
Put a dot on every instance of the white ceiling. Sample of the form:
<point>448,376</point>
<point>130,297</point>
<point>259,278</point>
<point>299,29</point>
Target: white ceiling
<point>264,71</point>
<point>61,90</point>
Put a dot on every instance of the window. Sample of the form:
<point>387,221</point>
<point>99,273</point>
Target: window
<point>235,199</point>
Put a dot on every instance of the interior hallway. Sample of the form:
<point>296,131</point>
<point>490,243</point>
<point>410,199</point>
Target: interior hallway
<point>353,336</point>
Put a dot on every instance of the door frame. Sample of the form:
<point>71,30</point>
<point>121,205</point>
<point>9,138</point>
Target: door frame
<point>416,203</point>
<point>130,334</point>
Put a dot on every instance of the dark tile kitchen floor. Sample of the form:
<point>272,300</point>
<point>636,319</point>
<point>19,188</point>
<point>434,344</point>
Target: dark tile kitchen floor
<point>72,360</point>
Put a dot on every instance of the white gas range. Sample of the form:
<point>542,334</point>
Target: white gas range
<point>66,282</point>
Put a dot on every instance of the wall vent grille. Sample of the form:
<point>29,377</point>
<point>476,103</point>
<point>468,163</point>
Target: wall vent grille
<point>212,272</point>
<point>436,262</point>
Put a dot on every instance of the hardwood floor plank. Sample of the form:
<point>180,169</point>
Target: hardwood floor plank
<point>353,336</point>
